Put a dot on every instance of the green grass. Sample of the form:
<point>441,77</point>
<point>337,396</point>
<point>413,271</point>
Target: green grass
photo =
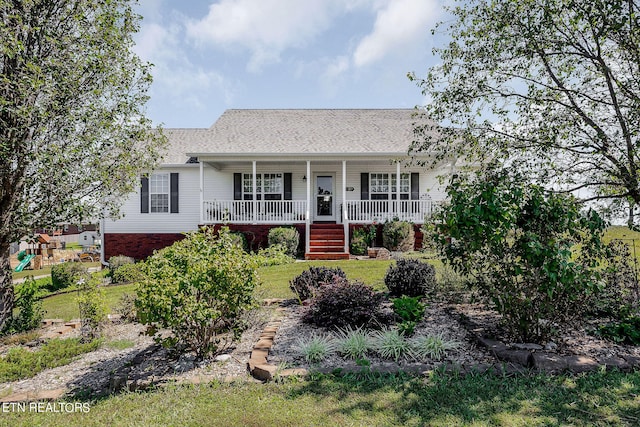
<point>275,279</point>
<point>65,307</point>
<point>597,399</point>
<point>21,363</point>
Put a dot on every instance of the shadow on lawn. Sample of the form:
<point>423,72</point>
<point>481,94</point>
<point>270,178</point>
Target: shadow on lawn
<point>600,398</point>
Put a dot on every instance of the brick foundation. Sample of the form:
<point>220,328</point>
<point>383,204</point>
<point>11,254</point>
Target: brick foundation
<point>416,229</point>
<point>137,245</point>
<point>257,235</point>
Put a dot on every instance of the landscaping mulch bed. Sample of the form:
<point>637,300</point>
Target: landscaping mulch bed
<point>482,345</point>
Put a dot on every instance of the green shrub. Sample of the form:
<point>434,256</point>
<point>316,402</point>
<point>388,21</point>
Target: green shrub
<point>358,242</point>
<point>93,308</point>
<point>398,236</point>
<point>27,313</point>
<point>66,274</point>
<point>118,261</point>
<point>410,277</point>
<point>273,255</point>
<point>238,238</point>
<point>287,237</point>
<point>534,253</point>
<point>126,307</point>
<point>199,288</point>
<point>618,298</point>
<point>307,283</point>
<point>410,310</point>
<point>127,273</point>
<point>342,303</point>
<point>624,331</point>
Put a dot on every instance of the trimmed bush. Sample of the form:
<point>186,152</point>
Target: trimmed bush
<point>410,277</point>
<point>287,237</point>
<point>342,303</point>
<point>127,273</point>
<point>307,283</point>
<point>199,288</point>
<point>66,274</point>
<point>273,255</point>
<point>358,243</point>
<point>118,261</point>
<point>238,238</point>
<point>398,236</point>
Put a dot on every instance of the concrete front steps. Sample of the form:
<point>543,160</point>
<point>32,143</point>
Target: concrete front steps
<point>326,241</point>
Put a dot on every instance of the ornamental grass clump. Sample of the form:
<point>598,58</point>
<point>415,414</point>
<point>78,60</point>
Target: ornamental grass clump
<point>316,348</point>
<point>353,343</point>
<point>431,347</point>
<point>390,343</point>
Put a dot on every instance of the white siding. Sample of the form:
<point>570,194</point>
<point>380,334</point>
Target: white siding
<point>188,218</point>
<point>218,185</point>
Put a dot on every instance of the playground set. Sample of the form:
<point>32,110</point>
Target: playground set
<point>42,249</point>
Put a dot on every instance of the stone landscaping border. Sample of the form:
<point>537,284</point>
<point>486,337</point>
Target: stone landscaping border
<point>510,360</point>
<point>258,364</point>
<point>533,357</point>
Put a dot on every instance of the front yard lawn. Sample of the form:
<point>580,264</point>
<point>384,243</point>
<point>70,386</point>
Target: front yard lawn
<point>601,398</point>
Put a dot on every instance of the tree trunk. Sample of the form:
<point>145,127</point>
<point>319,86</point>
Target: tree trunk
<point>630,221</point>
<point>6,285</point>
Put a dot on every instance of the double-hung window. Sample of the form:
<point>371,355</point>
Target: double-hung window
<point>383,186</point>
<point>159,192</point>
<point>269,186</point>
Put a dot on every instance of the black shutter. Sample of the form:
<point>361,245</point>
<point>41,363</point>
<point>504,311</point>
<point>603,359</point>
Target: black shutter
<point>364,186</point>
<point>173,184</point>
<point>144,194</point>
<point>415,186</point>
<point>287,186</point>
<point>237,186</point>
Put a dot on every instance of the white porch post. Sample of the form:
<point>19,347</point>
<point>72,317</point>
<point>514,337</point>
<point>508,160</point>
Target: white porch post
<point>307,226</point>
<point>254,192</point>
<point>397,209</point>
<point>201,192</point>
<point>345,218</point>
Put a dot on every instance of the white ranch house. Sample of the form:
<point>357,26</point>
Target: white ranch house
<point>322,171</point>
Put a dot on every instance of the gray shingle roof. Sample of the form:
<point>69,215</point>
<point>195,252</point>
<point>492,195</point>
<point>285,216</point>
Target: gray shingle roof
<point>291,132</point>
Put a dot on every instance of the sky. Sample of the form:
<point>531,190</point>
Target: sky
<point>213,55</point>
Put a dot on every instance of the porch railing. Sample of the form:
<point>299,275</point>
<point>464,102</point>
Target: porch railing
<point>259,211</point>
<point>367,211</point>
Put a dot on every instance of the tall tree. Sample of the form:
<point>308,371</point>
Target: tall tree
<point>551,85</point>
<point>73,134</point>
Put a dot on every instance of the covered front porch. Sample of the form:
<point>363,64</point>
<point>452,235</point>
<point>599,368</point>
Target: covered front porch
<point>303,191</point>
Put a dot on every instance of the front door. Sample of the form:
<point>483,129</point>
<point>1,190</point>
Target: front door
<point>324,197</point>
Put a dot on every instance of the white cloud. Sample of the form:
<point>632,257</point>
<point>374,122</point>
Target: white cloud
<point>399,23</point>
<point>175,76</point>
<point>266,27</point>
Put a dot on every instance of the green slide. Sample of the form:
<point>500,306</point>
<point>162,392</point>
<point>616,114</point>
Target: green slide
<point>24,261</point>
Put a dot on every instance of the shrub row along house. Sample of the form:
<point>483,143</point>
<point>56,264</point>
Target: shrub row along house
<point>321,171</point>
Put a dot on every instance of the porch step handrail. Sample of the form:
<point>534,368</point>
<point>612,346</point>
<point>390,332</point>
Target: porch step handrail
<point>250,211</point>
